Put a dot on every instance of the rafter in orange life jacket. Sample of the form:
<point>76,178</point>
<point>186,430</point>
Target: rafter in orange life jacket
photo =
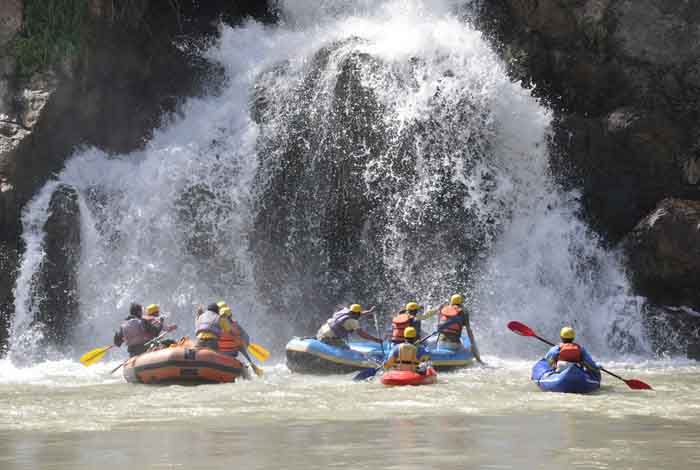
<point>570,352</point>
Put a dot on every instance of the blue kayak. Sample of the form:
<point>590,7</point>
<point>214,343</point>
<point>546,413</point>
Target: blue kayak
<point>573,379</point>
<point>309,355</point>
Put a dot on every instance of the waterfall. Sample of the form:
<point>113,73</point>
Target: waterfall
<point>359,151</point>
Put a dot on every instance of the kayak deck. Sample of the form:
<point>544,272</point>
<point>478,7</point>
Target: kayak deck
<point>407,377</point>
<point>573,379</point>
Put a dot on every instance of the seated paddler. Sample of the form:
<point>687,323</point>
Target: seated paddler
<point>207,327</point>
<point>454,317</point>
<point>233,337</point>
<point>566,353</point>
<point>153,316</point>
<point>136,331</point>
<point>410,315</point>
<point>407,355</point>
<point>337,329</point>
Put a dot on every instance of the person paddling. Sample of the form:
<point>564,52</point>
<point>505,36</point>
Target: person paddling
<point>409,316</point>
<point>565,354</point>
<point>408,356</point>
<point>233,337</point>
<point>207,327</point>
<point>154,317</point>
<point>136,331</point>
<point>451,333</point>
<point>344,322</point>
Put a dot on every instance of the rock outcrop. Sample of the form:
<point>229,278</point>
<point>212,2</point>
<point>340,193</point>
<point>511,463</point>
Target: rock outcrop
<point>624,77</point>
<point>663,253</point>
<point>129,71</point>
<point>336,185</point>
<point>56,285</point>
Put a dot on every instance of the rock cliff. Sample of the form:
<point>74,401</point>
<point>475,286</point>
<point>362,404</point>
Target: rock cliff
<point>108,76</point>
<point>624,79</point>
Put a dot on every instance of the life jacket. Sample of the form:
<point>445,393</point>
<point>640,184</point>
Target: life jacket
<point>231,341</point>
<point>570,352</point>
<point>134,332</point>
<point>448,312</point>
<point>407,357</point>
<point>398,324</point>
<point>335,323</point>
<point>208,322</point>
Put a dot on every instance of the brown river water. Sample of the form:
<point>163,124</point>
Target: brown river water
<point>58,415</point>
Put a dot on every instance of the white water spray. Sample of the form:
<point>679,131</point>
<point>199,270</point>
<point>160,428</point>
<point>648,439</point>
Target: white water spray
<point>171,224</point>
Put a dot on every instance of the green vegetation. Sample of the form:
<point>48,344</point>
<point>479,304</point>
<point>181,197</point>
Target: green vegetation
<point>52,31</point>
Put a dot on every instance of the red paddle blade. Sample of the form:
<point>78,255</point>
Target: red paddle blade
<point>635,384</point>
<point>521,329</point>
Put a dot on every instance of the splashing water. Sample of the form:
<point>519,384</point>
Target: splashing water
<point>369,149</point>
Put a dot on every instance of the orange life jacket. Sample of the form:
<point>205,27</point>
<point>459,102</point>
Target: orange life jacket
<point>231,341</point>
<point>448,312</point>
<point>398,324</point>
<point>570,352</point>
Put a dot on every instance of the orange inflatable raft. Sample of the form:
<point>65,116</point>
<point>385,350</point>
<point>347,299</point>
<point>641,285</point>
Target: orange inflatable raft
<point>184,365</point>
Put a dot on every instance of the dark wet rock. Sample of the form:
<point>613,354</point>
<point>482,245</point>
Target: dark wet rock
<point>335,174</point>
<point>663,253</point>
<point>10,20</point>
<point>624,161</point>
<point>672,330</point>
<point>312,202</point>
<point>623,78</point>
<point>139,63</point>
<point>8,274</point>
<point>56,289</point>
<point>693,350</point>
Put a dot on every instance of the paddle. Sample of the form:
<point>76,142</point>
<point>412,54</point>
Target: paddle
<point>94,355</point>
<point>259,352</point>
<point>367,373</point>
<point>379,333</point>
<point>258,371</point>
<point>524,330</point>
<point>147,343</point>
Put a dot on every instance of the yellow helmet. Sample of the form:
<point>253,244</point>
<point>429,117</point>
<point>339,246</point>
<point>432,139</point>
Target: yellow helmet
<point>153,309</point>
<point>221,304</point>
<point>412,306</point>
<point>409,332</point>
<point>356,308</point>
<point>567,333</point>
<point>456,299</point>
<point>225,312</point>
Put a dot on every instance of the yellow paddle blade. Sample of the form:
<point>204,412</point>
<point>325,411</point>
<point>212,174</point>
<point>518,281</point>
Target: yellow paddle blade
<point>93,356</point>
<point>260,353</point>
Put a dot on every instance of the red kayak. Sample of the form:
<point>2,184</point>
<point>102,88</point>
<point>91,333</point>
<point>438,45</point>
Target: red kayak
<point>407,377</point>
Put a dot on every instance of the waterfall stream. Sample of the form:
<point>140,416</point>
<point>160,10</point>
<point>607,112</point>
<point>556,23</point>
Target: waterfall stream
<point>369,151</point>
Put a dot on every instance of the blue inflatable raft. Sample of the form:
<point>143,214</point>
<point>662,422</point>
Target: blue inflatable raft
<point>449,358</point>
<point>573,379</point>
<point>311,356</point>
<point>308,355</point>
